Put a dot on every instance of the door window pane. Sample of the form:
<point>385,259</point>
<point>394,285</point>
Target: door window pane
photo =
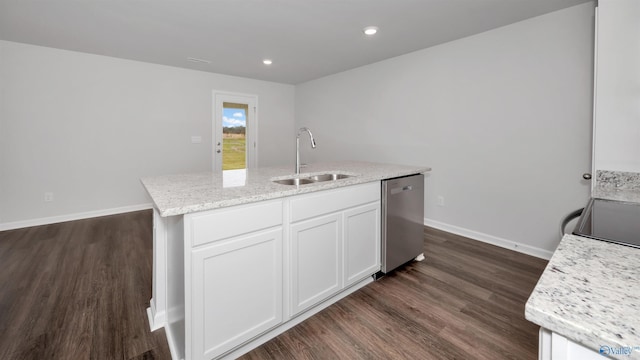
<point>234,131</point>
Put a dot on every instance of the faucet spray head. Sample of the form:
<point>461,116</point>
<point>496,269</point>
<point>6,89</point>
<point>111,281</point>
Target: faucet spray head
<point>313,141</point>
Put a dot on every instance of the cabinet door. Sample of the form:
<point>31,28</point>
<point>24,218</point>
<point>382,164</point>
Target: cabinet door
<point>361,242</point>
<point>315,266</point>
<point>236,291</point>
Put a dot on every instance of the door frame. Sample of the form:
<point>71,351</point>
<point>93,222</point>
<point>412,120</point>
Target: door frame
<point>220,97</point>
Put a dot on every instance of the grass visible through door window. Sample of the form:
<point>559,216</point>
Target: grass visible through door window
<point>234,131</point>
<point>234,150</point>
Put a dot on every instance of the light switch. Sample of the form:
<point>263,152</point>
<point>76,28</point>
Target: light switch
<point>196,139</point>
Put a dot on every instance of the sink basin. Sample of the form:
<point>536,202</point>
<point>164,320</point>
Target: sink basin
<point>312,179</point>
<point>293,181</point>
<point>328,177</point>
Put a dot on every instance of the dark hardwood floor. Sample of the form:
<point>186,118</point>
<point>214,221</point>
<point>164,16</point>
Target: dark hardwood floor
<point>79,290</point>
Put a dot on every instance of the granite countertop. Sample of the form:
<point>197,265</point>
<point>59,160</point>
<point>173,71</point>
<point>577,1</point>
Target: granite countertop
<point>617,185</point>
<point>629,195</point>
<point>590,293</point>
<point>186,193</point>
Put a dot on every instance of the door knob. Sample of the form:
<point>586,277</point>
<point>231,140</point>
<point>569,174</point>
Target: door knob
<point>586,176</point>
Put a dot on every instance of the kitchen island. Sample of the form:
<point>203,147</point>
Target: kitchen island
<point>240,258</point>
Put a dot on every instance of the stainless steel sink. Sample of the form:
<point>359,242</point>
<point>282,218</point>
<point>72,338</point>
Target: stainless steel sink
<point>293,181</point>
<point>312,179</point>
<point>328,177</point>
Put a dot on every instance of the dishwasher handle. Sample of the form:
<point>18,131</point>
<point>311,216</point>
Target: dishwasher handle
<point>401,189</point>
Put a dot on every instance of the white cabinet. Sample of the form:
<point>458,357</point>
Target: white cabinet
<point>361,248</point>
<point>239,276</point>
<point>235,284</point>
<point>237,291</point>
<point>215,225</point>
<point>335,242</point>
<point>315,260</point>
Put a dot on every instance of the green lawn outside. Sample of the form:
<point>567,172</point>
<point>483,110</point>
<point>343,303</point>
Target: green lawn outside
<point>233,154</point>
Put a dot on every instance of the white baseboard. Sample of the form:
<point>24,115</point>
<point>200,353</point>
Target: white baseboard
<point>174,341</point>
<point>490,239</point>
<point>157,319</point>
<point>71,217</point>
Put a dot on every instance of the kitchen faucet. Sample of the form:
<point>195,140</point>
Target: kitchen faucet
<point>313,146</point>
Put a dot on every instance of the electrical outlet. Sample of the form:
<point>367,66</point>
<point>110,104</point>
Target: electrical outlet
<point>48,197</point>
<point>440,200</point>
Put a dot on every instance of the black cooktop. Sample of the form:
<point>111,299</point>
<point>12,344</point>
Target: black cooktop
<point>613,221</point>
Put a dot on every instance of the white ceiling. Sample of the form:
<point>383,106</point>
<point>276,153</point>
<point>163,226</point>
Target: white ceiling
<point>306,39</point>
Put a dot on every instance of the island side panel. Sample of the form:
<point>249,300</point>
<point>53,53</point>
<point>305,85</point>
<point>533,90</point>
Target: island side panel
<point>166,307</point>
<point>158,303</point>
<point>175,286</point>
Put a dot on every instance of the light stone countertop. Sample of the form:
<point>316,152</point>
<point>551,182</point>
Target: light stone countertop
<point>186,193</point>
<point>590,293</point>
<point>616,194</point>
<point>617,185</point>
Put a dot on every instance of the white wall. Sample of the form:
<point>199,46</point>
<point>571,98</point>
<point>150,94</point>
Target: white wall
<point>87,127</point>
<point>503,118</point>
<point>617,140</point>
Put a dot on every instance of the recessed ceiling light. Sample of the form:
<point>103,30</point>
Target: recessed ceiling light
<point>370,30</point>
<point>267,62</point>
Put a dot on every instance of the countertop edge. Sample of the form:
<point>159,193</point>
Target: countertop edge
<point>546,309</point>
<point>285,191</point>
<point>570,330</point>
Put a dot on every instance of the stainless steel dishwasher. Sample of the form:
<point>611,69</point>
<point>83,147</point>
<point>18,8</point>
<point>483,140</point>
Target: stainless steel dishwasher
<point>402,220</point>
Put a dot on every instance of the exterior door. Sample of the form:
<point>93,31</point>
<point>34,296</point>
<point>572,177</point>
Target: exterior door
<point>234,132</point>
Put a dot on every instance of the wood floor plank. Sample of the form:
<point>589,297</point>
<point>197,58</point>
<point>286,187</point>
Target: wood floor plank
<point>79,290</point>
